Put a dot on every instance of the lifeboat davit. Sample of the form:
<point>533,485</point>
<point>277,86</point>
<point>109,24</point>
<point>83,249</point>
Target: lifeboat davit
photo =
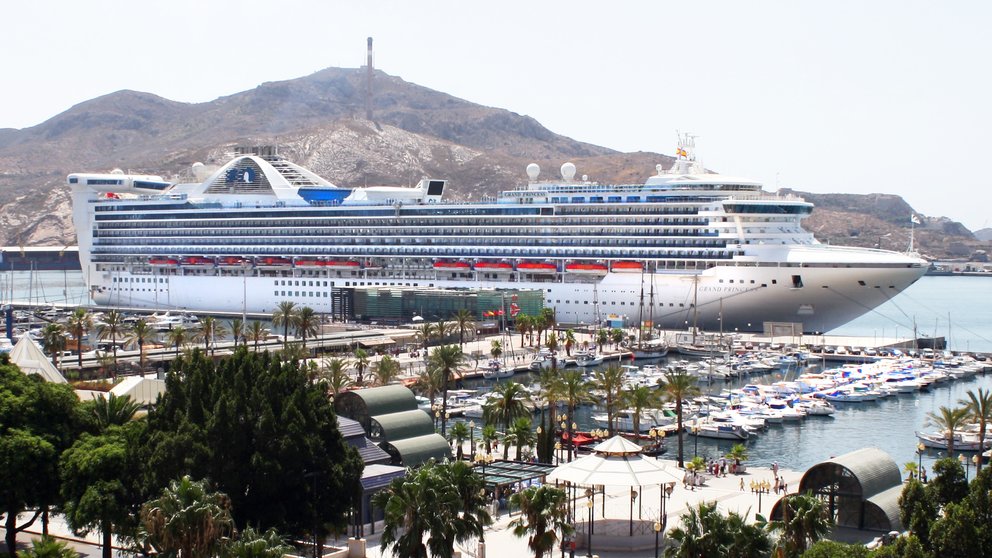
<point>273,261</point>
<point>628,267</point>
<point>197,261</point>
<point>454,266</point>
<point>162,261</point>
<point>537,267</point>
<point>342,264</point>
<point>587,268</point>
<point>494,266</point>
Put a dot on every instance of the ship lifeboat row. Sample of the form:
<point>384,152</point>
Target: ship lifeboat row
<point>262,261</point>
<point>541,267</point>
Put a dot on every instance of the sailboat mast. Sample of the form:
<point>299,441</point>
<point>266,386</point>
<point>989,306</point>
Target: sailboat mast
<point>640,313</point>
<point>695,306</point>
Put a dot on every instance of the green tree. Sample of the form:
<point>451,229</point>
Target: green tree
<point>210,329</point>
<point>187,520</point>
<point>947,484</point>
<point>464,322</point>
<point>361,362</point>
<point>387,370</point>
<point>178,337</point>
<point>238,329</point>
<point>543,514</point>
<point>804,521</point>
<point>111,410</point>
<point>524,324</point>
<point>495,348</point>
<point>256,544</point>
<point>429,382</point>
<point>47,547</point>
<point>705,532</point>
<point>507,402</point>
<point>448,359</point>
<point>489,435</point>
<point>262,430</point>
<point>425,332</point>
<point>53,340</point>
<point>737,454</point>
<point>957,534</point>
<point>140,334</point>
<point>907,546</point>
<point>610,381</point>
<point>679,386</point>
<point>979,406</point>
<point>38,422</point>
<point>831,549</point>
<point>457,436</point>
<point>602,337</point>
<point>917,510</point>
<point>79,324</point>
<point>442,330</point>
<point>616,336</point>
<point>100,483</point>
<point>257,332</point>
<point>285,317</point>
<point>112,328</point>
<point>307,323</point>
<point>335,373</point>
<point>949,421</point>
<point>520,434</point>
<point>569,342</point>
<point>573,390</point>
<point>437,502</point>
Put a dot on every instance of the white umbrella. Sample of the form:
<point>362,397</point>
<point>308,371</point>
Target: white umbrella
<point>616,462</point>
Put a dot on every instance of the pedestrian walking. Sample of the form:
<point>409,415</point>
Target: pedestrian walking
<point>742,484</point>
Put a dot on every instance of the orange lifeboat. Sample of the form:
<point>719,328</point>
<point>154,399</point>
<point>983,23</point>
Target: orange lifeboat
<point>273,261</point>
<point>494,266</point>
<point>628,267</point>
<point>161,261</point>
<point>196,261</point>
<point>452,266</point>
<point>587,268</point>
<point>232,261</point>
<point>343,265</point>
<point>537,267</point>
<point>309,262</point>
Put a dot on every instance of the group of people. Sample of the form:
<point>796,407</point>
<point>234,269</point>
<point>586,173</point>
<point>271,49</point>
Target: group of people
<point>923,475</point>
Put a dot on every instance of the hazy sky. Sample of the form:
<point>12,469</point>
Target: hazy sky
<point>839,96</point>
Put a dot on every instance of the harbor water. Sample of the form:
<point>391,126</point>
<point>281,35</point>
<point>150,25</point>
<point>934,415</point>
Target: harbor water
<point>953,307</point>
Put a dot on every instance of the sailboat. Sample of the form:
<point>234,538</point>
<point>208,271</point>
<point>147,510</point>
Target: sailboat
<point>651,348</point>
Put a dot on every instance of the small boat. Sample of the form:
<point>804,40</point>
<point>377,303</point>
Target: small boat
<point>588,359</point>
<point>537,267</point>
<point>232,261</point>
<point>196,261</point>
<point>457,265</point>
<point>650,350</point>
<point>587,268</point>
<point>163,261</point>
<point>542,361</point>
<point>962,442</point>
<point>308,262</point>
<point>504,267</point>
<point>723,431</point>
<point>627,267</point>
<point>495,371</point>
<point>273,262</point>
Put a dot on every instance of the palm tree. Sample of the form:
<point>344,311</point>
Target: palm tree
<point>113,410</point>
<point>336,373</point>
<point>804,521</point>
<point>574,391</point>
<point>638,399</point>
<point>616,336</point>
<point>602,337</point>
<point>256,332</point>
<point>187,520</point>
<point>80,322</point>
<point>459,433</point>
<point>679,385</point>
<point>429,382</point>
<point>387,370</point>
<point>285,317</point>
<point>611,381</point>
<point>178,336</point>
<point>489,435</point>
<point>949,421</point>
<point>448,359</point>
<point>307,323</point>
<point>979,405</point>
<point>442,330</point>
<point>523,324</point>
<point>237,331</point>
<point>256,544</point>
<point>210,330</point>
<point>463,320</point>
<point>53,340</point>
<point>140,334</point>
<point>495,348</point>
<point>48,547</point>
<point>520,434</point>
<point>543,514</point>
<point>507,402</point>
<point>361,364</point>
<point>737,454</point>
<point>112,327</point>
<point>569,342</point>
<point>425,332</point>
<point>704,531</point>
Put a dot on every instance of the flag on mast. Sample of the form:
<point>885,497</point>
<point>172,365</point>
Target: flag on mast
<point>914,218</point>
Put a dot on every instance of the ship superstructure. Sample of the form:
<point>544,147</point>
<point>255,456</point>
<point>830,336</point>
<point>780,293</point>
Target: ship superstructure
<point>717,251</point>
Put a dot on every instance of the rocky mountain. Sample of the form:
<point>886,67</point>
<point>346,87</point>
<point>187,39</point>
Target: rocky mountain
<point>984,234</point>
<point>319,122</point>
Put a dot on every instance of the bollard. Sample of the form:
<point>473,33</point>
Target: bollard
<point>481,550</point>
<point>356,548</point>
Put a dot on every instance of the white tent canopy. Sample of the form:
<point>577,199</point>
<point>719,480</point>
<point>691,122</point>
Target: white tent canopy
<point>141,390</point>
<point>29,357</point>
<point>616,462</point>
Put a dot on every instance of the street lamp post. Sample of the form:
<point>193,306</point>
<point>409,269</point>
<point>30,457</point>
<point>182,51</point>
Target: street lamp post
<point>966,463</point>
<point>471,427</point>
<point>759,488</point>
<point>657,531</point>
<point>695,435</point>
<point>920,448</point>
<point>589,531</point>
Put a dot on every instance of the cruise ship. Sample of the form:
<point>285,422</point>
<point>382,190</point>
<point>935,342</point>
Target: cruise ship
<point>685,248</point>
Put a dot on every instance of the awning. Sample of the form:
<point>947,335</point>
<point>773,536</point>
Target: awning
<point>617,462</point>
<point>377,342</point>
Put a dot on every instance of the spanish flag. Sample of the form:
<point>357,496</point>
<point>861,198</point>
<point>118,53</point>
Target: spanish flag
<point>682,152</point>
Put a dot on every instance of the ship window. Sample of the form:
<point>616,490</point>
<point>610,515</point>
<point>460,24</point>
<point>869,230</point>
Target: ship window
<point>276,293</point>
<point>862,283</point>
<point>774,281</point>
<point>797,282</point>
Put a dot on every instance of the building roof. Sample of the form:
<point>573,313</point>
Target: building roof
<point>354,435</point>
<point>397,426</point>
<point>28,356</point>
<point>874,469</point>
<point>379,476</point>
<point>887,502</point>
<point>361,403</point>
<point>416,451</point>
